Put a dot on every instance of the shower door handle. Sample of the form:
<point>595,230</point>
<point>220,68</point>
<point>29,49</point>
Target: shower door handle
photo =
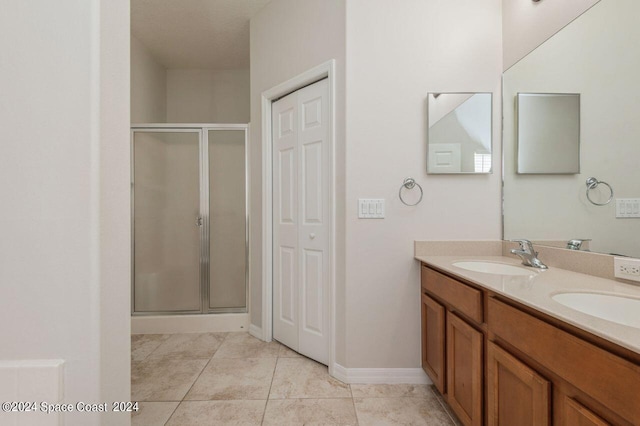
<point>198,220</point>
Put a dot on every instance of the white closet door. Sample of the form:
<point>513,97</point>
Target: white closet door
<point>285,221</point>
<point>314,231</point>
<point>301,226</point>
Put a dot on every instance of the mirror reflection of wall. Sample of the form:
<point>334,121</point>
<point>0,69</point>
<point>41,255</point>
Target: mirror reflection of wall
<point>597,56</point>
<point>548,135</point>
<point>459,137</point>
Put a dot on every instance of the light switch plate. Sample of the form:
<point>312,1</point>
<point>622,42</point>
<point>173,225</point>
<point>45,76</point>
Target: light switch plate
<point>371,208</point>
<point>627,207</point>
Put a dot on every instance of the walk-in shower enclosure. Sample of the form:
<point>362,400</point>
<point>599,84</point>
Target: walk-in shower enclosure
<point>189,218</point>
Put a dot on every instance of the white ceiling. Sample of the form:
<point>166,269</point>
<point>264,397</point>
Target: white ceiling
<point>212,34</point>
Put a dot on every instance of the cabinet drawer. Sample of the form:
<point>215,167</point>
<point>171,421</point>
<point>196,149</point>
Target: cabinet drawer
<point>609,379</point>
<point>465,299</point>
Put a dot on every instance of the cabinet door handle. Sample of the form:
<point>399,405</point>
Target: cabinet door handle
<point>312,235</point>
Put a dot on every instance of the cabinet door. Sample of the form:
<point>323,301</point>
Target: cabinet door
<point>576,414</point>
<point>433,317</point>
<point>517,395</point>
<point>464,370</point>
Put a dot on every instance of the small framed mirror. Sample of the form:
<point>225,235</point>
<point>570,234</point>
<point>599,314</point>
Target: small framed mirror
<point>459,137</point>
<point>548,133</point>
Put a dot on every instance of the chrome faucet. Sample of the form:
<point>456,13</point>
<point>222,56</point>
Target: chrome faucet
<point>528,255</point>
<point>575,244</point>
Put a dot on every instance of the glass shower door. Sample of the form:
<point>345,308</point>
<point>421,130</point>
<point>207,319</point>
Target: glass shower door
<point>166,221</point>
<point>227,220</point>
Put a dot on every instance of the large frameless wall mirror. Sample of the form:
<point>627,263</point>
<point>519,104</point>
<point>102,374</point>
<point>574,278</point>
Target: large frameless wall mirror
<point>548,133</point>
<point>459,138</point>
<point>596,56</point>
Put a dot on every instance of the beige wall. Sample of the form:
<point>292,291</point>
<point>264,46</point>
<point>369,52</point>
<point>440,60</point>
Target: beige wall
<point>160,95</point>
<point>527,24</point>
<point>289,37</point>
<point>208,96</point>
<point>396,55</point>
<point>554,207</point>
<point>115,211</point>
<point>394,59</point>
<point>64,261</point>
<point>148,86</point>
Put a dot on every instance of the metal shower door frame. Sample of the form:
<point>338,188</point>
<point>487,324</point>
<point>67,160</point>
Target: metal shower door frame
<point>203,151</point>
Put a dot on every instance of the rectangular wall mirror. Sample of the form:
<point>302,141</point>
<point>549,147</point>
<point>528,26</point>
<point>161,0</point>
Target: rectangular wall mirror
<point>548,133</point>
<point>459,138</point>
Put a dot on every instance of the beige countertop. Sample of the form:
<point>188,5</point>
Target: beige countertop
<point>536,291</point>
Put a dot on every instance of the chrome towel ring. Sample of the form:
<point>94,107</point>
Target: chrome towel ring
<point>410,183</point>
<point>593,183</point>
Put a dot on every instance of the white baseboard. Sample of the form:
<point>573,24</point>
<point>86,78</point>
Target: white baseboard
<point>414,376</point>
<point>166,324</point>
<point>255,331</point>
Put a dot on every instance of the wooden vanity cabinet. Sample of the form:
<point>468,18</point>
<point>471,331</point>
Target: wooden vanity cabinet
<point>576,414</point>
<point>498,362</point>
<point>517,395</point>
<point>592,384</point>
<point>433,349</point>
<point>464,370</point>
<point>453,343</point>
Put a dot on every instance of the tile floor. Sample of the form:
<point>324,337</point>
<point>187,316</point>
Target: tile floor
<point>235,379</point>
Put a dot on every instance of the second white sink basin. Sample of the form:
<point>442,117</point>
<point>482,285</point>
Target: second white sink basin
<point>493,268</point>
<point>618,309</point>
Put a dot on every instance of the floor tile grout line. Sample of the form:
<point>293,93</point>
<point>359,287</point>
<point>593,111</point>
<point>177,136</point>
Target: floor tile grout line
<point>264,412</point>
<point>226,335</point>
<point>298,397</point>
<point>194,382</point>
<point>205,367</point>
<point>173,412</point>
<point>154,349</point>
<point>148,356</point>
<point>442,404</point>
<point>310,397</point>
<point>353,402</point>
<point>218,400</point>
<point>433,392</point>
<point>275,367</point>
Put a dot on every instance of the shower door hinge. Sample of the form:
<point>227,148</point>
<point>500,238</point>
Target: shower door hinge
<point>199,221</point>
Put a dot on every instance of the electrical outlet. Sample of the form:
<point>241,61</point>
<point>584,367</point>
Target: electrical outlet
<point>627,268</point>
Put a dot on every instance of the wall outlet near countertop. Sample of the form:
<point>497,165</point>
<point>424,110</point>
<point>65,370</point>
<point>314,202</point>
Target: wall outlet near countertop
<point>627,268</point>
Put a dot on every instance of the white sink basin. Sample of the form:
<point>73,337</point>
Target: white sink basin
<point>618,309</point>
<point>493,268</point>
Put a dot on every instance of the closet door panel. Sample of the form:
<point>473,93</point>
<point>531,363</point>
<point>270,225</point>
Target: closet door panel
<point>285,221</point>
<point>314,175</point>
<point>301,220</point>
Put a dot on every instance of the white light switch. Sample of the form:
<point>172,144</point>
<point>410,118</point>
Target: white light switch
<point>627,207</point>
<point>369,208</point>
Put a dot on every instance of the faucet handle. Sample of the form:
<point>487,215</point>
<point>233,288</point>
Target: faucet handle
<point>524,244</point>
<point>576,243</point>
